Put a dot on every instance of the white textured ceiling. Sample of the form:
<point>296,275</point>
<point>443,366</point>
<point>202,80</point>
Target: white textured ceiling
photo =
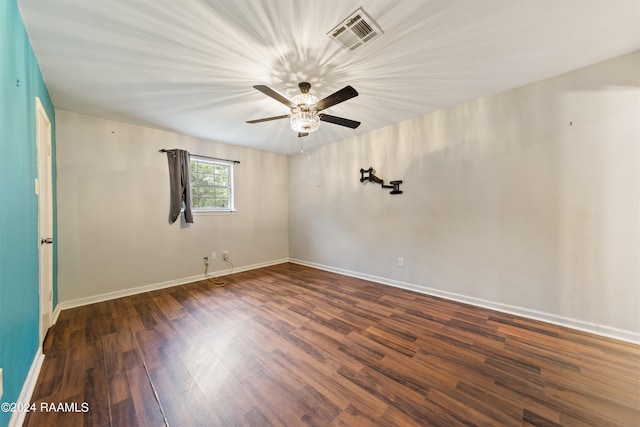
<point>189,65</point>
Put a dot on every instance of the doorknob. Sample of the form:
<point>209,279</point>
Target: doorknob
<point>46,241</point>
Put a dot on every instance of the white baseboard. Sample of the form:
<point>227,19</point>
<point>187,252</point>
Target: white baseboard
<point>17,418</point>
<point>602,330</point>
<point>56,313</point>
<point>155,286</point>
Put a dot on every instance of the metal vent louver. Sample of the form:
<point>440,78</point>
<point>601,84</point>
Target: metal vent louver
<point>355,31</point>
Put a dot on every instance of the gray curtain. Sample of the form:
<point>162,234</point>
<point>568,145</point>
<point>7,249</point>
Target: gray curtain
<point>179,183</point>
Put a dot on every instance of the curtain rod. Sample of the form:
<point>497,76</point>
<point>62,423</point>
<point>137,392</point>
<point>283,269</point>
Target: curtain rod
<point>164,150</point>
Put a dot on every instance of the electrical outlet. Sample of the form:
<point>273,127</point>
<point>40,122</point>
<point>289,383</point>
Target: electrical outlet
<point>205,260</point>
<point>400,261</point>
<point>213,256</point>
<point>1,388</point>
<point>225,255</point>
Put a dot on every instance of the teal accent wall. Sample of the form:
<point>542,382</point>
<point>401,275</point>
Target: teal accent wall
<point>20,82</point>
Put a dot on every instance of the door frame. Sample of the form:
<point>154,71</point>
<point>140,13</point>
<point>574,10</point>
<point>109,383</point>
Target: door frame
<point>44,190</point>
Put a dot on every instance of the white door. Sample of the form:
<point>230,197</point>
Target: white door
<point>45,217</point>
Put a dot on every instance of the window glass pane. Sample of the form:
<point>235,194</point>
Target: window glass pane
<point>205,168</point>
<point>211,184</point>
<point>205,202</point>
<point>206,191</point>
<point>222,180</point>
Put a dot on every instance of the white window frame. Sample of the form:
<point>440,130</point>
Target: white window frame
<point>204,159</point>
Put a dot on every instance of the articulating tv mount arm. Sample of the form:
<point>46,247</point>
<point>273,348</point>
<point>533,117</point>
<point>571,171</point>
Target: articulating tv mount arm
<point>372,178</point>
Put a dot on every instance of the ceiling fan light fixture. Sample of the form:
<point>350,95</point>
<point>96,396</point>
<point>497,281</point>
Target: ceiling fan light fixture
<point>305,108</point>
<point>303,100</point>
<point>305,121</point>
<point>304,117</point>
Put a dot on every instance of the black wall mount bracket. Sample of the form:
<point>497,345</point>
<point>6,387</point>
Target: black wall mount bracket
<point>372,178</point>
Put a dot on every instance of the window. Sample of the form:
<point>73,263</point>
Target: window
<point>211,184</point>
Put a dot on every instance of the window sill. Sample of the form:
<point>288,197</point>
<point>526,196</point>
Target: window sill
<point>213,213</point>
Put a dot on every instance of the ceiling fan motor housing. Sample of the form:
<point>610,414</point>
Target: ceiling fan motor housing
<point>304,87</point>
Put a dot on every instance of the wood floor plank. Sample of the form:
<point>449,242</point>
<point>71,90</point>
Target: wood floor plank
<point>96,398</point>
<point>145,402</point>
<point>289,345</point>
<point>278,403</point>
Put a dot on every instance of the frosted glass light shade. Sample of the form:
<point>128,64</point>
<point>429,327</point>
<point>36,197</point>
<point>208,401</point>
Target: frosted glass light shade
<point>303,100</point>
<point>305,121</point>
<point>304,117</point>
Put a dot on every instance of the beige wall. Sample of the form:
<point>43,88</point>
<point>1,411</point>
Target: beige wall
<point>526,201</point>
<point>113,207</point>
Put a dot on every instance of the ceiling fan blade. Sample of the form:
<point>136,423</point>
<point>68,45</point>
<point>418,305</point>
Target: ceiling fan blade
<point>339,121</point>
<point>301,134</point>
<point>269,118</point>
<point>275,95</point>
<point>342,95</point>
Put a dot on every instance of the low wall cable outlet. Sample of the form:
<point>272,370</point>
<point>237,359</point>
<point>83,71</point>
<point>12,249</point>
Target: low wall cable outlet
<point>225,255</point>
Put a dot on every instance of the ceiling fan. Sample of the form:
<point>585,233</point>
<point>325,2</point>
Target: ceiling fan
<point>305,108</point>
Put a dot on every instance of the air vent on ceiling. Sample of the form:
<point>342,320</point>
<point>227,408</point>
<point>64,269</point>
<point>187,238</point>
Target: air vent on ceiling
<point>355,31</point>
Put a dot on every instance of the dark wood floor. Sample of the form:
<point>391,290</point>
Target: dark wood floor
<point>289,345</point>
